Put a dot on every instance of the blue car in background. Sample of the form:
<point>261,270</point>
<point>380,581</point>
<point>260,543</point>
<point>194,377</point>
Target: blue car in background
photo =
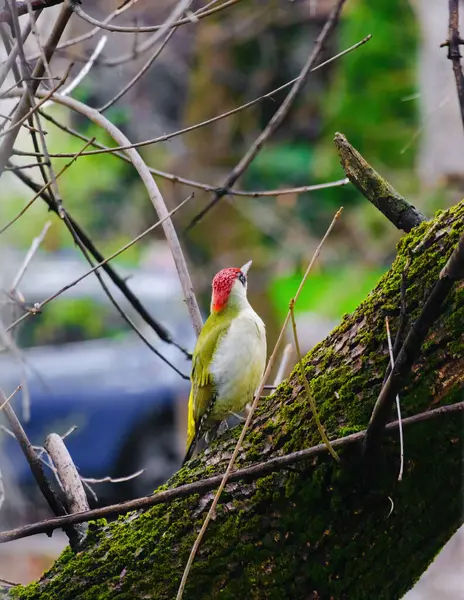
<point>127,405</point>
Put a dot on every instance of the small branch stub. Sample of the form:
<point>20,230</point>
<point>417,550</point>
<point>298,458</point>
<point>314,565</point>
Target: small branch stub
<point>374,187</point>
<point>71,484</point>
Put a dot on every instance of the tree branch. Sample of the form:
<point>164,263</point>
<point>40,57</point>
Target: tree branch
<point>374,187</point>
<point>5,16</point>
<point>452,272</point>
<point>454,53</point>
<point>204,485</point>
<point>118,281</point>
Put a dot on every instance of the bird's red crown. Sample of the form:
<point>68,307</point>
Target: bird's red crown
<point>222,285</point>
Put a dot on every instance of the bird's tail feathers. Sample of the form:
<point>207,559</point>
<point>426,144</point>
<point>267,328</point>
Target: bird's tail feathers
<point>190,451</point>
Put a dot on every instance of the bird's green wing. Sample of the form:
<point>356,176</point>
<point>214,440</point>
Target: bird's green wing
<point>202,383</point>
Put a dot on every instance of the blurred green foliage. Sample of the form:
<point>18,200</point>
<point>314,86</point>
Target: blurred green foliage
<point>70,320</point>
<point>369,99</point>
<point>329,293</point>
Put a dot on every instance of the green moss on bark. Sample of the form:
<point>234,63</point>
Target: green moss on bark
<point>325,530</point>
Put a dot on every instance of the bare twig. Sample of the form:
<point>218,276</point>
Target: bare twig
<point>168,136</point>
<point>38,307</point>
<point>5,16</point>
<point>121,29</point>
<point>181,7</point>
<point>259,392</point>
<point>283,365</point>
<point>278,116</point>
<point>30,255</point>
<point>84,71</point>
<point>35,464</point>
<point>159,329</point>
<point>23,106</point>
<point>453,271</point>
<point>86,36</point>
<point>114,302</point>
<point>304,380</point>
<point>139,74</point>
<point>42,190</point>
<point>374,187</point>
<point>155,197</point>
<point>14,52</point>
<point>205,485</point>
<point>6,400</point>
<point>454,53</point>
<point>398,407</point>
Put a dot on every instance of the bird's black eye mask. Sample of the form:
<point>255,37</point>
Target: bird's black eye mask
<point>242,277</point>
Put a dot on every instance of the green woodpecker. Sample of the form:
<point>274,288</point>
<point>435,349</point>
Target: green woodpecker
<point>229,357</point>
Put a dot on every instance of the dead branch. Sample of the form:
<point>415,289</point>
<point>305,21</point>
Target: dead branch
<point>375,188</point>
<point>73,489</point>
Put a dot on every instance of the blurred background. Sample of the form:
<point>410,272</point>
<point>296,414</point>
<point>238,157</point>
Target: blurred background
<point>395,100</point>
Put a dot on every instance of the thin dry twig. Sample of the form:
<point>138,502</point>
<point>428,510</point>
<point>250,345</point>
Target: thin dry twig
<point>168,136</point>
<point>398,406</point>
<point>156,199</point>
<point>454,53</point>
<point>22,8</point>
<point>176,13</point>
<point>72,85</point>
<point>43,189</point>
<point>90,34</point>
<point>284,362</point>
<point>6,147</point>
<point>29,256</point>
<point>259,392</point>
<point>205,485</point>
<point>38,307</point>
<point>304,380</point>
<point>139,74</point>
<point>120,283</point>
<point>278,116</point>
<point>122,29</point>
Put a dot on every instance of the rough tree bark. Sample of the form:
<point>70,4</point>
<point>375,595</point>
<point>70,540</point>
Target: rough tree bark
<point>320,530</point>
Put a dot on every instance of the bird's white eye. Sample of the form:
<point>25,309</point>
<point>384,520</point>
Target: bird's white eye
<point>242,278</point>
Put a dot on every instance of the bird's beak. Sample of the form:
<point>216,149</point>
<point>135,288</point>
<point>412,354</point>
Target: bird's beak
<point>245,267</point>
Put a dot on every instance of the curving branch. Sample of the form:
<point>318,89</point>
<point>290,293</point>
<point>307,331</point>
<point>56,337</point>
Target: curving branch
<point>154,195</point>
<point>201,14</point>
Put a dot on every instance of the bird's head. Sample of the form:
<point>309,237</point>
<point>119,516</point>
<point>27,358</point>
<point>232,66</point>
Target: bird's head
<point>229,288</point>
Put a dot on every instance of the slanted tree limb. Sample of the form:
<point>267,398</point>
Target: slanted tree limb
<point>373,186</point>
<point>323,530</point>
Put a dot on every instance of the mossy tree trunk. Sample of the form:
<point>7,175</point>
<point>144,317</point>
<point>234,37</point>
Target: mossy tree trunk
<point>321,530</point>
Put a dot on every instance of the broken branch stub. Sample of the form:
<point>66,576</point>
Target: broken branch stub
<point>373,186</point>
